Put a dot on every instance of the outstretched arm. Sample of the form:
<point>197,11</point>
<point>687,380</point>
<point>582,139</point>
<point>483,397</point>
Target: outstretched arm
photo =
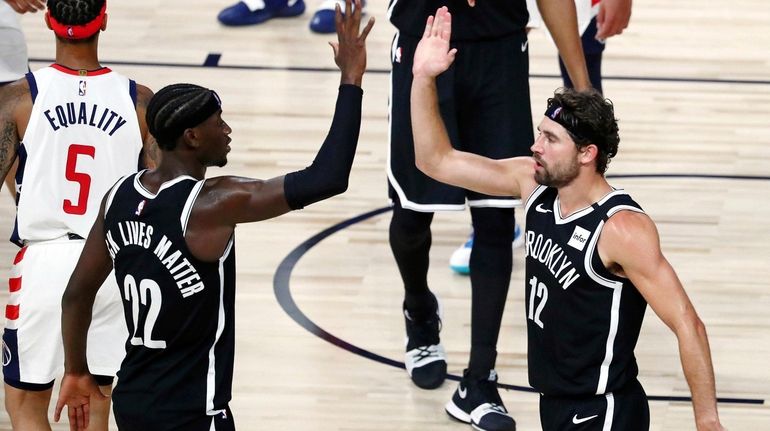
<point>78,385</point>
<point>630,241</point>
<point>434,154</point>
<point>561,19</point>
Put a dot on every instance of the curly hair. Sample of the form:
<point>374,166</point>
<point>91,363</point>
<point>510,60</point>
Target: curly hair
<point>177,107</point>
<point>75,12</point>
<point>590,119</point>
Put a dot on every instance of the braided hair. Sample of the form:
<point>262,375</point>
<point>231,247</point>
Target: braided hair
<point>75,12</point>
<point>178,107</point>
<point>589,119</point>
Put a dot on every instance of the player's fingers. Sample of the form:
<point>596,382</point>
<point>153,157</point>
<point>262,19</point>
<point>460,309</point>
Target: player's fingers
<point>428,27</point>
<point>446,32</point>
<point>366,30</point>
<point>335,48</point>
<point>338,21</point>
<point>86,415</point>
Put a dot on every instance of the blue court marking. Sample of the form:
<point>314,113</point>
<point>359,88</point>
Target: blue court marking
<point>215,57</point>
<point>282,290</point>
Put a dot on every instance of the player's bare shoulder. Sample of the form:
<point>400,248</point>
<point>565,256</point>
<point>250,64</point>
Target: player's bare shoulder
<point>523,170</point>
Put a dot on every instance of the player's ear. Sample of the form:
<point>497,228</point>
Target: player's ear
<point>191,137</point>
<point>104,22</point>
<point>589,153</point>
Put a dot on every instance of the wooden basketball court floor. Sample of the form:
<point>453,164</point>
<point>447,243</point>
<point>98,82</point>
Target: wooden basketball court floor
<point>691,85</point>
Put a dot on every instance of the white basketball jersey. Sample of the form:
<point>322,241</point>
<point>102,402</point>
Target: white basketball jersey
<point>83,135</point>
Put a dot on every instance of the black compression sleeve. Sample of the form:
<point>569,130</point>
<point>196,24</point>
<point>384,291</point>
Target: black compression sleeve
<point>328,174</point>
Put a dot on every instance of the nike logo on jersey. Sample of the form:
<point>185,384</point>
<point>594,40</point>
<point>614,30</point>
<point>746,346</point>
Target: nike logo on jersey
<point>524,46</point>
<point>71,114</point>
<point>462,392</point>
<point>539,208</point>
<point>577,421</point>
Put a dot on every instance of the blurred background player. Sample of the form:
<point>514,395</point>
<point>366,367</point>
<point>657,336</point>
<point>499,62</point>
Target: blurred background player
<point>597,21</point>
<point>75,128</point>
<point>252,12</point>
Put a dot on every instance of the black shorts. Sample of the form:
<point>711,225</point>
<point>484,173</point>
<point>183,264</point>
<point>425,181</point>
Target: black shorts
<point>141,422</point>
<point>623,410</point>
<point>484,101</point>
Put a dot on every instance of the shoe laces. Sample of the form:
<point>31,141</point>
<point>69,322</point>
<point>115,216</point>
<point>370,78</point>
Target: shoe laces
<point>424,352</point>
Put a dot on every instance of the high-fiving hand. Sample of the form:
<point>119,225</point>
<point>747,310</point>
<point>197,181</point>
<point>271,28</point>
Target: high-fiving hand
<point>350,48</point>
<point>433,56</point>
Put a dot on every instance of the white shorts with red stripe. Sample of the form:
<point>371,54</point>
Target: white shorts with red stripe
<point>32,341</point>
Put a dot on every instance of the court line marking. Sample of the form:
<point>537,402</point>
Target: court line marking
<point>282,291</point>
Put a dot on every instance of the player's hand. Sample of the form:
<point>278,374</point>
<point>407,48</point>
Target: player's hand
<point>350,48</point>
<point>613,18</point>
<point>24,6</point>
<point>433,56</point>
<point>76,393</point>
<point>471,3</point>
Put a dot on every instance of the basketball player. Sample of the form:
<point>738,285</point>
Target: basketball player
<point>593,256</point>
<point>169,233</point>
<point>75,128</point>
<point>485,102</point>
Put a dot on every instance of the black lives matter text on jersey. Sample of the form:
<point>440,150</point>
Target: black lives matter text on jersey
<point>136,233</point>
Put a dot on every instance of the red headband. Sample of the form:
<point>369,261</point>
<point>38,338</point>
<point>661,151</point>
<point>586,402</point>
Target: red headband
<point>82,31</point>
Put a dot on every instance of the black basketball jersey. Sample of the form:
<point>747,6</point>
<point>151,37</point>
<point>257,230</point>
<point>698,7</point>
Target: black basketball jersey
<point>179,310</point>
<point>582,321</point>
<point>487,20</point>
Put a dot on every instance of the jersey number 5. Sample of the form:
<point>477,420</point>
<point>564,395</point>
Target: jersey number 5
<point>541,291</point>
<point>84,180</point>
<point>147,291</point>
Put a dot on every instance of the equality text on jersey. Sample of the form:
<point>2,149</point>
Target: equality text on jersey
<point>83,113</point>
<point>136,233</point>
<point>549,253</point>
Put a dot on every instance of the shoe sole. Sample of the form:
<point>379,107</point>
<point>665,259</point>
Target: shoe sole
<point>457,413</point>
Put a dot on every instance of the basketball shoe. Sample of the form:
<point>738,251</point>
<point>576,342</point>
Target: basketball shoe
<point>323,18</point>
<point>425,358</point>
<point>460,260</point>
<point>477,402</point>
<point>241,14</point>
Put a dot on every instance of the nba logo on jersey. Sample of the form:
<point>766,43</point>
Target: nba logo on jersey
<point>579,238</point>
<point>82,88</point>
<point>140,207</point>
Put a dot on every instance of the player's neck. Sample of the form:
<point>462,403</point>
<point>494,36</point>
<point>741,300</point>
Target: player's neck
<point>582,192</point>
<point>77,57</point>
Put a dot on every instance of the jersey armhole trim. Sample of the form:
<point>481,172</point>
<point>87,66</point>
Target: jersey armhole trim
<point>111,194</point>
<point>533,196</point>
<point>184,218</point>
<point>32,85</point>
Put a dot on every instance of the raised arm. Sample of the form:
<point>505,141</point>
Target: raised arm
<point>78,385</point>
<point>630,241</point>
<point>561,19</point>
<point>434,154</point>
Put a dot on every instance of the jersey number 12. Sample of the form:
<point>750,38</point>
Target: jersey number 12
<point>541,291</point>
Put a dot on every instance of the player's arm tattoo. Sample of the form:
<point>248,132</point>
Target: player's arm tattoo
<point>9,137</point>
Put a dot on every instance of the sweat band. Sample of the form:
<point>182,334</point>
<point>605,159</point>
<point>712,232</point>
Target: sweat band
<point>570,122</point>
<point>75,32</point>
